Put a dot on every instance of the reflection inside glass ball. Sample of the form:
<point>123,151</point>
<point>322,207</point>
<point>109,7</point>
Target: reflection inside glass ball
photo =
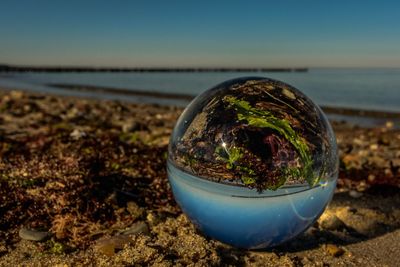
<point>253,154</point>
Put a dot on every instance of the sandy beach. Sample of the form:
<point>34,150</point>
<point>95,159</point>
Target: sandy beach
<point>83,182</point>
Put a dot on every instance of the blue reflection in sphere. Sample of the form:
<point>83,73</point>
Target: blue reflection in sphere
<point>252,162</point>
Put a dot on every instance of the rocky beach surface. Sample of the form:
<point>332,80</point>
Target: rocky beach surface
<point>83,182</point>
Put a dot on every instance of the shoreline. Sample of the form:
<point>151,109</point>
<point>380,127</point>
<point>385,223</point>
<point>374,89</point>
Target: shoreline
<point>180,96</point>
<point>327,109</point>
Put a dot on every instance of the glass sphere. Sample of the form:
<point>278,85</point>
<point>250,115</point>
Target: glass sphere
<point>252,162</point>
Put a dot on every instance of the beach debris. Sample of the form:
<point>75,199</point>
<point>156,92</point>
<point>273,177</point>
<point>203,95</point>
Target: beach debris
<point>137,228</point>
<point>33,235</point>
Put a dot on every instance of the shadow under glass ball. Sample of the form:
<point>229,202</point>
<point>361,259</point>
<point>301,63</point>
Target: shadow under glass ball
<point>252,162</point>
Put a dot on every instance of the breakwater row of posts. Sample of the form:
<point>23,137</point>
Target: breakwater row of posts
<point>11,68</point>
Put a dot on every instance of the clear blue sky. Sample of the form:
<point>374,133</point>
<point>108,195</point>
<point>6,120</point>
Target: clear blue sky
<point>201,33</point>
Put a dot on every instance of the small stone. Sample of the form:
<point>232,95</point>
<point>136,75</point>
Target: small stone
<point>77,134</point>
<point>384,141</point>
<point>373,146</point>
<point>396,162</point>
<point>358,141</point>
<point>137,228</point>
<point>334,250</point>
<point>361,186</point>
<point>162,141</point>
<point>371,178</point>
<point>3,249</point>
<point>73,113</point>
<point>378,161</point>
<point>389,124</point>
<point>355,194</point>
<point>343,213</point>
<point>108,246</point>
<point>330,221</point>
<point>33,235</point>
<point>133,126</point>
<point>352,161</point>
<point>16,94</point>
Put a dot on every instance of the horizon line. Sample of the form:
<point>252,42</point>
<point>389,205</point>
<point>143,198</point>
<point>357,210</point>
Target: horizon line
<point>155,67</point>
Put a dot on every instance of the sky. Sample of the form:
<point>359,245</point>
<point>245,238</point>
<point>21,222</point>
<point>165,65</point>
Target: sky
<point>200,33</point>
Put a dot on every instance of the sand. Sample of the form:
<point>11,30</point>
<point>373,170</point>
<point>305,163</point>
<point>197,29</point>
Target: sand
<point>90,175</point>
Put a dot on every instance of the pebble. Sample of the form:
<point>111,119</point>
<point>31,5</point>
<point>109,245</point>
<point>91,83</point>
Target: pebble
<point>362,186</point>
<point>378,161</point>
<point>355,194</point>
<point>128,126</point>
<point>3,249</point>
<point>108,246</point>
<point>137,228</point>
<point>343,213</point>
<point>388,172</point>
<point>330,221</point>
<point>384,141</point>
<point>373,146</point>
<point>33,235</point>
<point>371,178</point>
<point>16,94</point>
<point>133,126</point>
<point>396,162</point>
<point>73,113</point>
<point>77,134</point>
<point>389,124</point>
<point>358,141</point>
<point>334,250</point>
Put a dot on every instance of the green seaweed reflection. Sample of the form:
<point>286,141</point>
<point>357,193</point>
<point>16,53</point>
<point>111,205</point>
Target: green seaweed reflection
<point>264,119</point>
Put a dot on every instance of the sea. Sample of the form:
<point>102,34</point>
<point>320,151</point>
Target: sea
<point>357,88</point>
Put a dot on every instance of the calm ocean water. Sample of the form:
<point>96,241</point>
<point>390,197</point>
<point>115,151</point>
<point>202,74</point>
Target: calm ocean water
<point>377,89</point>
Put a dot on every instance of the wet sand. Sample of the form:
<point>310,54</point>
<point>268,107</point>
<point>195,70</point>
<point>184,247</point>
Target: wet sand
<point>86,179</point>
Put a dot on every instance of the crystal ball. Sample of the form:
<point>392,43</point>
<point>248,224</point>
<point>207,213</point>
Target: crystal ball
<point>252,162</point>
